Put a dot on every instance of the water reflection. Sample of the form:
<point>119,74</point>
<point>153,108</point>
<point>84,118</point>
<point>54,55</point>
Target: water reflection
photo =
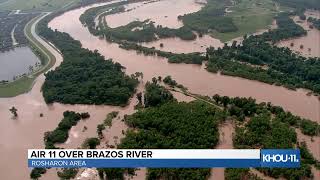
<point>17,62</point>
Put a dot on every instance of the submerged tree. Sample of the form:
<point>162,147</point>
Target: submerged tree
<point>139,97</point>
<point>14,111</point>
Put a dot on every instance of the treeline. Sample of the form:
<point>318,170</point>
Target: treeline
<point>263,62</point>
<point>269,127</point>
<point>165,123</point>
<point>136,31</point>
<point>156,94</point>
<point>188,58</point>
<point>240,108</point>
<point>106,123</point>
<point>61,133</point>
<point>211,17</point>
<point>315,22</point>
<point>145,31</point>
<point>257,59</point>
<point>89,16</point>
<point>169,124</point>
<point>263,132</point>
<point>114,173</point>
<point>307,4</point>
<point>174,125</point>
<point>286,29</point>
<point>208,18</point>
<point>239,174</point>
<point>84,77</point>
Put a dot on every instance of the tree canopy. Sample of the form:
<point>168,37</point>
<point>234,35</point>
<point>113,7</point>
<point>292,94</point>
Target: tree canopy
<point>174,125</point>
<point>84,77</point>
<point>156,94</point>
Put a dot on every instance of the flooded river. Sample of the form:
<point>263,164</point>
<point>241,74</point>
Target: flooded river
<point>178,45</point>
<point>17,135</point>
<point>195,77</point>
<point>308,45</point>
<point>164,12</point>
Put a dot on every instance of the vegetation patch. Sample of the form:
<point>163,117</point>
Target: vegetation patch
<point>315,22</point>
<point>310,4</point>
<point>174,125</point>
<point>269,127</point>
<point>106,122</point>
<point>84,77</point>
<point>67,173</point>
<point>232,174</point>
<point>189,58</point>
<point>240,108</point>
<point>110,116</point>
<point>91,143</point>
<point>258,59</point>
<point>61,133</point>
<point>156,94</point>
<point>36,173</point>
<point>211,17</point>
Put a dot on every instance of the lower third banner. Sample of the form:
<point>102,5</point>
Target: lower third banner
<point>164,158</point>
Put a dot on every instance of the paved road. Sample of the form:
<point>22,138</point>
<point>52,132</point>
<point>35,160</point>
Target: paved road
<point>38,40</point>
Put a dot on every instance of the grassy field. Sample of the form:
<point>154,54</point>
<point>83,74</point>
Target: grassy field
<point>23,85</point>
<point>35,5</point>
<point>18,87</point>
<point>249,16</point>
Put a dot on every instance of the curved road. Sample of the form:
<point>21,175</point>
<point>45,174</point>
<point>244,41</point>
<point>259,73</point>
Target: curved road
<point>54,57</point>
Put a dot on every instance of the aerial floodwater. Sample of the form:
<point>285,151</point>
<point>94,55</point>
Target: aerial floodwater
<point>27,130</point>
<point>163,13</point>
<point>178,45</point>
<point>194,77</point>
<point>17,62</point>
<point>308,45</point>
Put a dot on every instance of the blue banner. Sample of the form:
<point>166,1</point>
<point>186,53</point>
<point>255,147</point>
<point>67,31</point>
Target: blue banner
<point>286,158</point>
<point>152,163</point>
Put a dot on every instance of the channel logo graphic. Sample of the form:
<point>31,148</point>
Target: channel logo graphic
<point>280,158</point>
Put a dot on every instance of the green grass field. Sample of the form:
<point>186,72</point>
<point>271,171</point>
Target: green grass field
<point>35,5</point>
<point>18,87</point>
<point>249,16</point>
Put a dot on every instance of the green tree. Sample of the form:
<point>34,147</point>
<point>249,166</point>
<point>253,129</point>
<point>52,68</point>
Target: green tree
<point>14,111</point>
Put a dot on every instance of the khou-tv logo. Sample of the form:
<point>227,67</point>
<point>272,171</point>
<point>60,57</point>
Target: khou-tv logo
<point>281,158</point>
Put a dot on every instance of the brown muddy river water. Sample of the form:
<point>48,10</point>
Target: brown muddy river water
<point>195,77</point>
<point>178,45</point>
<point>164,12</point>
<point>310,42</point>
<point>17,135</point>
